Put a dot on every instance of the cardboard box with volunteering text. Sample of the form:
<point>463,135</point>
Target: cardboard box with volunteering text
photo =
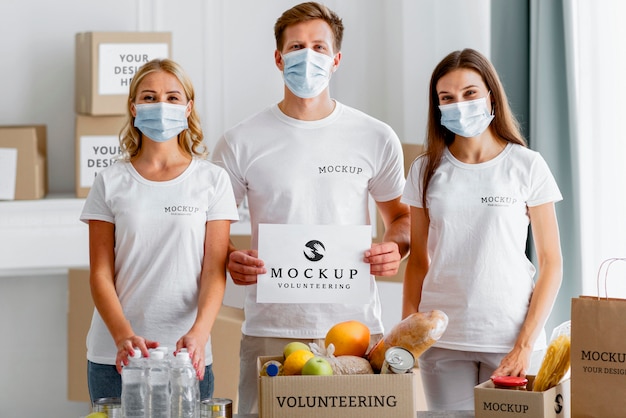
<point>23,162</point>
<point>97,147</point>
<point>345,396</point>
<point>106,63</point>
<point>490,401</point>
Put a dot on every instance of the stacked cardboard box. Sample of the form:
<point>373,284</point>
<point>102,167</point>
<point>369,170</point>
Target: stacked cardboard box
<point>105,65</point>
<point>23,173</point>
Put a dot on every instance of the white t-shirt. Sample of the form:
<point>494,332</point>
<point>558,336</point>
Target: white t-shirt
<point>159,247</point>
<point>479,273</point>
<point>313,173</point>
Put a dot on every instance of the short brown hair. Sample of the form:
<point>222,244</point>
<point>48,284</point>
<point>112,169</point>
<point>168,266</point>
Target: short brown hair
<point>304,12</point>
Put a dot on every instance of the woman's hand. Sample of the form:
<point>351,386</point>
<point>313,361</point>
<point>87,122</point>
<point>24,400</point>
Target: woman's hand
<point>126,349</point>
<point>515,363</point>
<point>195,347</point>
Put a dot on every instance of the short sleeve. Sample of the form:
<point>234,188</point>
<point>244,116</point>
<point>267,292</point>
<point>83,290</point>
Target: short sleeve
<point>413,189</point>
<point>96,207</point>
<point>544,188</point>
<point>222,204</point>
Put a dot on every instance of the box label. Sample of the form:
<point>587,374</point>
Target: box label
<point>314,264</point>
<point>96,153</point>
<point>8,173</point>
<point>118,62</point>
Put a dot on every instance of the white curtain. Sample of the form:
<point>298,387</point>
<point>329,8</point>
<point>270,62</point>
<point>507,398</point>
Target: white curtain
<point>578,84</point>
<point>595,38</point>
<point>550,134</point>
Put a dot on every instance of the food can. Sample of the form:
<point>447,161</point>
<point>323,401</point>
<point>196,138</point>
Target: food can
<point>110,406</point>
<point>216,408</point>
<point>398,360</point>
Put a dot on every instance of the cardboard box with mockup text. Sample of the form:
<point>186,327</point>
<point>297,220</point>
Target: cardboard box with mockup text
<point>23,172</point>
<point>492,402</point>
<point>97,147</point>
<point>345,396</point>
<point>106,63</point>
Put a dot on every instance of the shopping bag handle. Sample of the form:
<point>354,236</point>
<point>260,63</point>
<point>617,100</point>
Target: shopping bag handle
<point>608,263</point>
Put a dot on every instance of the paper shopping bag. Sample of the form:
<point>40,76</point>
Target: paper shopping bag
<point>598,354</point>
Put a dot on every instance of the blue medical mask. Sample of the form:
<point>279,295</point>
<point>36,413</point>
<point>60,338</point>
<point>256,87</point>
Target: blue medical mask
<point>161,121</point>
<point>466,119</point>
<point>306,72</point>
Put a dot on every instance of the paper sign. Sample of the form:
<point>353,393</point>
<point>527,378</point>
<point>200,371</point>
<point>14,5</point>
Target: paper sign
<point>314,264</point>
<point>96,153</point>
<point>118,62</point>
<point>8,173</point>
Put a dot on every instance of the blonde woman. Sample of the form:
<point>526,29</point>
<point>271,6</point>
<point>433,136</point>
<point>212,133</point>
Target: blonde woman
<point>159,225</point>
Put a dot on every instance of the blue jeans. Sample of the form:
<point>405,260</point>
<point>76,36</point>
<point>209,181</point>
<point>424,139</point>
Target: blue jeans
<point>105,382</point>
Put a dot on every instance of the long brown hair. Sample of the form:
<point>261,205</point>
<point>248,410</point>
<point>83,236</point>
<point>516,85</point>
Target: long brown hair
<point>190,139</point>
<point>504,124</point>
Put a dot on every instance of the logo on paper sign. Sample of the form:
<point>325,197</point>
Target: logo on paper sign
<point>314,250</point>
<point>558,403</point>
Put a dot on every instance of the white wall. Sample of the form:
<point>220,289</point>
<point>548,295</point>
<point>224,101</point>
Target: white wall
<point>389,50</point>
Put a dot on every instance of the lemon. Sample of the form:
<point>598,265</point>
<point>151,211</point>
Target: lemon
<point>295,362</point>
<point>97,415</point>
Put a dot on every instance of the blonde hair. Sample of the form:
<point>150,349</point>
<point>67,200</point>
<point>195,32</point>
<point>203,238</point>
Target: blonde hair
<point>190,139</point>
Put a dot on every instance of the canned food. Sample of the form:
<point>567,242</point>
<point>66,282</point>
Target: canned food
<point>110,406</point>
<point>216,408</point>
<point>398,360</point>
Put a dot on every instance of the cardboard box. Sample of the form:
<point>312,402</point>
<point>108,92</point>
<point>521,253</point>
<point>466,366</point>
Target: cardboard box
<point>97,147</point>
<point>28,144</point>
<point>105,64</point>
<point>410,152</point>
<point>346,396</point>
<point>225,340</point>
<point>492,402</point>
<point>79,316</point>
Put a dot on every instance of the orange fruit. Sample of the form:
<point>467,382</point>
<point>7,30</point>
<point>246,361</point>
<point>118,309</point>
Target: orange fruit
<point>295,362</point>
<point>349,338</point>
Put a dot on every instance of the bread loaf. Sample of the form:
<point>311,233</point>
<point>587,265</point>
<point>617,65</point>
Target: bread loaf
<point>350,365</point>
<point>416,333</point>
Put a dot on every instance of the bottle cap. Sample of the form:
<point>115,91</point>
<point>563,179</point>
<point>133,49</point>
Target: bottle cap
<point>136,353</point>
<point>157,355</point>
<point>182,355</point>
<point>272,369</point>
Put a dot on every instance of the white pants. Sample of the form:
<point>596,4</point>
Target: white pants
<point>449,377</point>
<point>253,347</point>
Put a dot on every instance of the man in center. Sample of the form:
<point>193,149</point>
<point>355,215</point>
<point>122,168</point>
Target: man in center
<point>279,159</point>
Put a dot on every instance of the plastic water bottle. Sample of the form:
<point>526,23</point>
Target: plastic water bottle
<point>185,387</point>
<point>158,377</point>
<point>134,387</point>
<point>166,352</point>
